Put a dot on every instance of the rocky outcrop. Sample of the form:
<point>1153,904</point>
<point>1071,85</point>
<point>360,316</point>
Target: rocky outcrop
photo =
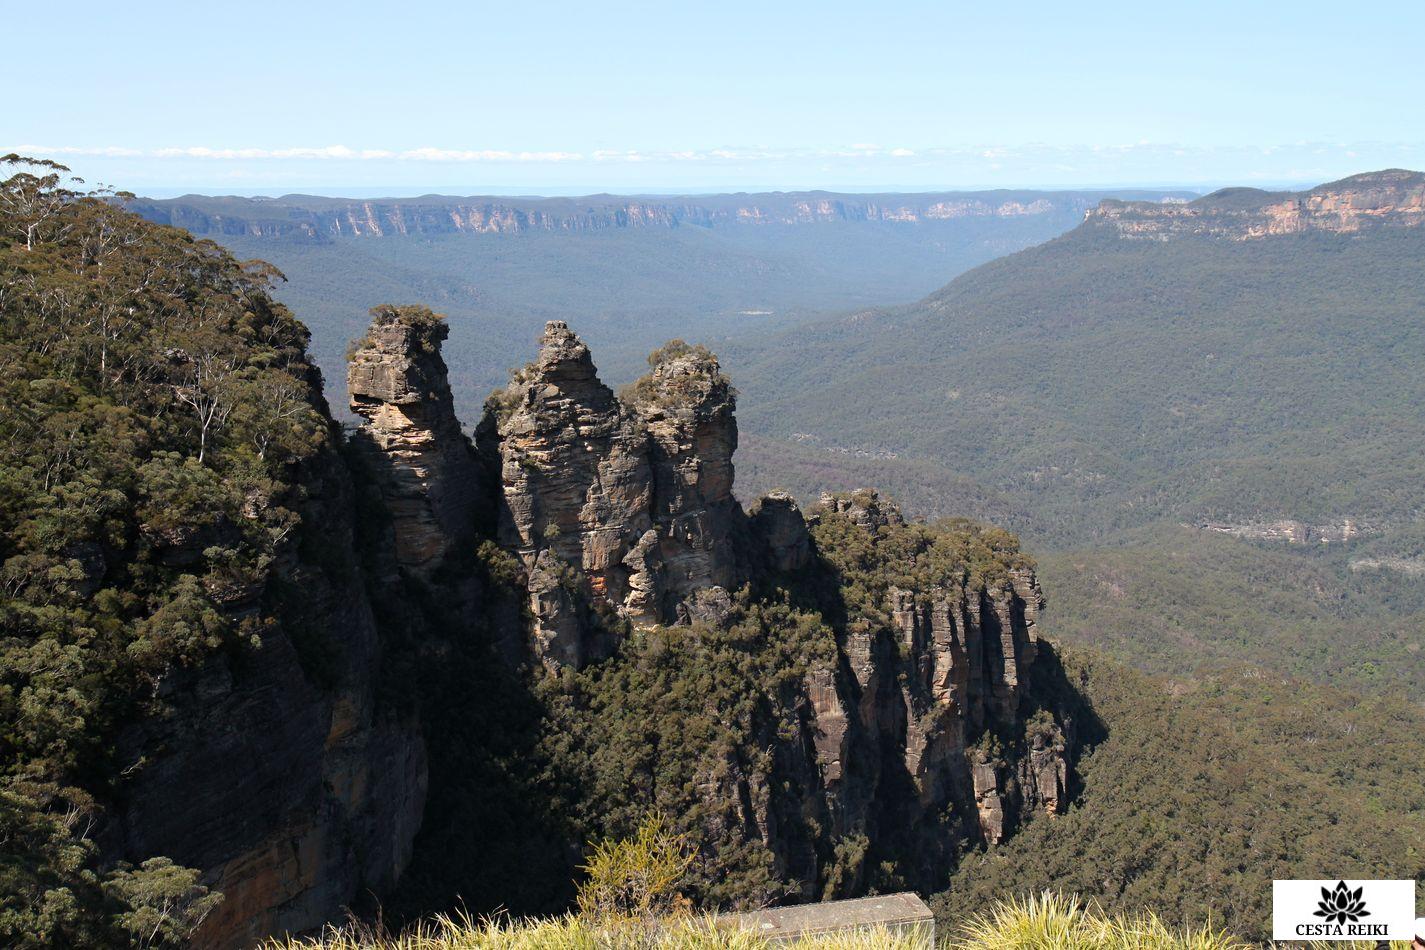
<point>1289,531</point>
<point>685,405</point>
<point>1394,198</point>
<point>777,521</point>
<point>1409,566</point>
<point>945,677</point>
<point>575,500</point>
<point>619,510</point>
<point>424,466</point>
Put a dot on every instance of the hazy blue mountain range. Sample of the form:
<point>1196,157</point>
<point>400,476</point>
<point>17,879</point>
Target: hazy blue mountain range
<point>628,271</point>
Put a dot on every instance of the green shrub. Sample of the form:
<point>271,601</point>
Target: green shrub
<point>638,878</point>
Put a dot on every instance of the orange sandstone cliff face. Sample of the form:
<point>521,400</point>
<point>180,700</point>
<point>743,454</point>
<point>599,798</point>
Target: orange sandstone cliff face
<point>1388,199</point>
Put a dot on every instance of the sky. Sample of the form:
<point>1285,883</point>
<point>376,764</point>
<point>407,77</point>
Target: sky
<point>536,97</point>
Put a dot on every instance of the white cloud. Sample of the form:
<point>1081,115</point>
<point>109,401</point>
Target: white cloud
<point>1026,156</point>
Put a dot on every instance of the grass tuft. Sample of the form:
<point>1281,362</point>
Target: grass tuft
<point>1045,922</point>
<point>1055,922</point>
<point>461,932</point>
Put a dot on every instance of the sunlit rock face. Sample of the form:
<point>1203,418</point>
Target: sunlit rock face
<point>1394,198</point>
<point>617,508</point>
<point>425,467</point>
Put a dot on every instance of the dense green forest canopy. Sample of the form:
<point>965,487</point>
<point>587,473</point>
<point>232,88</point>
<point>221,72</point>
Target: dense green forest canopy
<point>1099,384</point>
<point>154,398</point>
<point>1107,398</point>
<point>1206,790</point>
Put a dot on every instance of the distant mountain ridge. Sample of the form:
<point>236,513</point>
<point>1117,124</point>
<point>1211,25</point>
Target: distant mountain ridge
<point>1159,362</point>
<point>309,218</point>
<point>1101,390</point>
<point>1394,197</point>
<point>635,270</point>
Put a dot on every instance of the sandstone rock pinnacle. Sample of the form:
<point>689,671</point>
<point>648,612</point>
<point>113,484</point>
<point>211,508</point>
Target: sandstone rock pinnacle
<point>424,465</point>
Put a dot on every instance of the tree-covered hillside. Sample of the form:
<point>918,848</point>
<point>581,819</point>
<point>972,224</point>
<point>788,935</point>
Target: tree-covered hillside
<point>1181,602</point>
<point>1202,792</point>
<point>155,402</point>
<point>1102,383</point>
<point>1128,404</point>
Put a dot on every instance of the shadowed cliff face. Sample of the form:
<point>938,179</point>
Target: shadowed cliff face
<point>1391,199</point>
<point>277,771</point>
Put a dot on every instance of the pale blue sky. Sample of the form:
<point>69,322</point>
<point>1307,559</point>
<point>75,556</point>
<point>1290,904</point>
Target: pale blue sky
<point>545,97</point>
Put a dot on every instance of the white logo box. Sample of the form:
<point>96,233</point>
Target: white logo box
<point>1385,910</point>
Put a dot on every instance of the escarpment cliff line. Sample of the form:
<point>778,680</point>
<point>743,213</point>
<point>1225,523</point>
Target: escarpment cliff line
<point>1394,198</point>
<point>306,218</point>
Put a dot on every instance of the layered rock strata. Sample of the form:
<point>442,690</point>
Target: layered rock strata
<point>1394,198</point>
<point>425,467</point>
<point>618,509</point>
<point>302,219</point>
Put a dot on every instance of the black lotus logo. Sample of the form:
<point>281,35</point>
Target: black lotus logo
<point>1341,904</point>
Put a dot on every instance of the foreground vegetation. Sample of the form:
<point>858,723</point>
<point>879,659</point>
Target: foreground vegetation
<point>632,898</point>
<point>577,933</point>
<point>1042,922</point>
<point>156,401</point>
